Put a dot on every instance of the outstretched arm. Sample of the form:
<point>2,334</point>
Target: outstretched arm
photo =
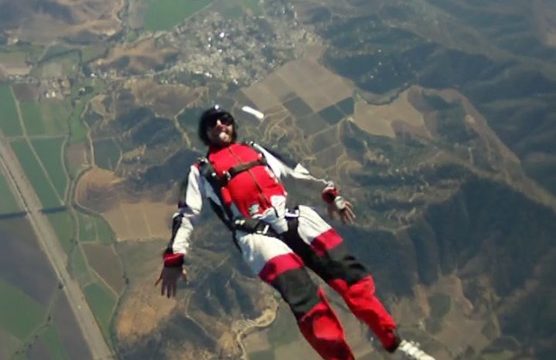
<point>189,208</point>
<point>284,168</point>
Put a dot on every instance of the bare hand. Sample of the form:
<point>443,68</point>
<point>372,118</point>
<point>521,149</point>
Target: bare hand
<point>169,277</point>
<point>346,213</point>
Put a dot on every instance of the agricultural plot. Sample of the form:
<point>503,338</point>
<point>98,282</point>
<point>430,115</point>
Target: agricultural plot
<point>25,92</point>
<point>311,124</point>
<point>314,83</point>
<point>58,65</point>
<point>332,114</point>
<point>93,228</point>
<point>9,119</point>
<point>70,335</point>
<point>32,118</point>
<point>102,302</point>
<point>46,117</point>
<point>34,172</point>
<point>165,14</point>
<point>63,225</point>
<point>107,153</point>
<point>8,203</point>
<point>238,8</point>
<point>14,62</point>
<point>13,58</point>
<point>19,242</point>
<point>49,341</point>
<point>79,267</point>
<point>20,315</point>
<point>76,156</point>
<point>381,120</point>
<point>78,131</point>
<point>49,151</point>
<point>129,219</point>
<point>315,97</point>
<point>92,52</point>
<point>297,107</point>
<point>106,263</point>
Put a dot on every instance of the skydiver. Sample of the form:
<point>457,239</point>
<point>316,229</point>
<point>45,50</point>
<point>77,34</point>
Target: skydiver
<point>243,184</point>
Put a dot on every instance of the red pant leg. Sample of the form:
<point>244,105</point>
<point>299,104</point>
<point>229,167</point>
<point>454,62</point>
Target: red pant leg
<point>316,319</point>
<point>360,298</point>
<point>323,331</point>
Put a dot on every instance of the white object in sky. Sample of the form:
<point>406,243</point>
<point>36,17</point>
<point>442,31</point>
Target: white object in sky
<point>256,113</point>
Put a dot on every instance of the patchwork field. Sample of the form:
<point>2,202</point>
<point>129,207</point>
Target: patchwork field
<point>8,205</point>
<point>36,174</point>
<point>130,219</point>
<point>381,120</point>
<point>10,124</point>
<point>165,14</point>
<point>104,260</point>
<point>317,86</point>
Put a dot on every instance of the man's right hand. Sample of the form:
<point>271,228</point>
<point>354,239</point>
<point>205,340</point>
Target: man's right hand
<point>168,279</point>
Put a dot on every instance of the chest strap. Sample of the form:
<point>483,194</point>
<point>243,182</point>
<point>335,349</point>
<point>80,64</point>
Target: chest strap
<point>230,174</point>
<point>218,181</point>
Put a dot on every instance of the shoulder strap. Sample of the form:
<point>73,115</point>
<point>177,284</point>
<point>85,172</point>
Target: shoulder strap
<point>207,171</point>
<point>289,162</point>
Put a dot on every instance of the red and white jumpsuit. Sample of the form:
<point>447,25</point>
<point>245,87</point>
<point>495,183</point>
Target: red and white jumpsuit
<point>282,261</point>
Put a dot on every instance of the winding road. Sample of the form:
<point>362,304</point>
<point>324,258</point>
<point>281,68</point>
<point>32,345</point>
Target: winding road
<point>24,192</point>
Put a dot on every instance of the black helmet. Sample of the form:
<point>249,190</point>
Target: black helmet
<point>208,119</point>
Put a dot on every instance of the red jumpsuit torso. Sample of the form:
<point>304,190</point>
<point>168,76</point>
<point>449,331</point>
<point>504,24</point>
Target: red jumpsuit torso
<point>251,190</point>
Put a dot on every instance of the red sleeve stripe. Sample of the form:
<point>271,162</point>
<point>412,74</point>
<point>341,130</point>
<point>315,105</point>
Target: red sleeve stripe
<point>326,241</point>
<point>279,265</point>
<point>173,260</point>
<point>329,194</point>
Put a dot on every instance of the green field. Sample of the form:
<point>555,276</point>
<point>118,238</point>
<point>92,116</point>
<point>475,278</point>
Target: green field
<point>77,130</point>
<point>49,151</point>
<point>165,14</point>
<point>58,61</point>
<point>79,267</point>
<point>19,314</point>
<point>107,153</point>
<point>45,118</point>
<point>94,229</point>
<point>62,223</point>
<point>87,227</point>
<point>32,118</point>
<point>8,204</point>
<point>11,57</point>
<point>77,164</point>
<point>104,232</point>
<point>102,302</point>
<point>9,120</point>
<point>51,339</point>
<point>238,8</point>
<point>92,52</point>
<point>35,174</point>
<point>55,114</point>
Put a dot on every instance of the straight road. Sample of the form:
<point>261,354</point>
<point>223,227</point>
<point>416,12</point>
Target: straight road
<point>51,246</point>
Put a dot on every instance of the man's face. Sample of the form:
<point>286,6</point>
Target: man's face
<point>220,132</point>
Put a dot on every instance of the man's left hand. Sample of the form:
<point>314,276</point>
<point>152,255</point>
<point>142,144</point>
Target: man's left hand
<point>342,207</point>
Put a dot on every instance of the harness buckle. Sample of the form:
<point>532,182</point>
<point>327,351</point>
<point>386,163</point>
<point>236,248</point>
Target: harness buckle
<point>292,214</point>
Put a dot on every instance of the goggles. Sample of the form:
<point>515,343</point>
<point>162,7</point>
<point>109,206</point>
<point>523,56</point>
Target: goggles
<point>217,113</point>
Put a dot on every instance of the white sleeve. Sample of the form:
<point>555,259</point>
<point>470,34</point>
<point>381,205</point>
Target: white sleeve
<point>191,205</point>
<point>284,169</point>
